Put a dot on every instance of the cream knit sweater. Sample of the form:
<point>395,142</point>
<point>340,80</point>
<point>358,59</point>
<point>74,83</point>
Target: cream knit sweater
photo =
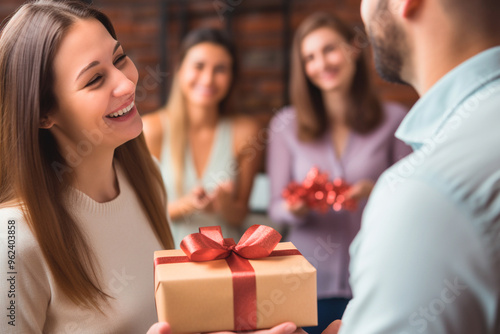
<point>123,242</point>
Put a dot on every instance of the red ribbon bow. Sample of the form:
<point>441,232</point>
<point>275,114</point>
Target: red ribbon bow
<point>258,241</point>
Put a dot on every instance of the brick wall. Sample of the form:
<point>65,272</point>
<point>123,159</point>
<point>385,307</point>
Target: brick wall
<point>256,25</point>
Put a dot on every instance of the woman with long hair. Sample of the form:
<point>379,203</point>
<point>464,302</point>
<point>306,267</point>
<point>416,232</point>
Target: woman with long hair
<point>82,203</point>
<point>206,156</point>
<point>337,124</point>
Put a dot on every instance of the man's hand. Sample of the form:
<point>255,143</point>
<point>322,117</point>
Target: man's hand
<point>284,328</point>
<point>159,328</point>
<point>333,328</point>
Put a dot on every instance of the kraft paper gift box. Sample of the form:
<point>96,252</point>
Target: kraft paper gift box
<point>208,287</point>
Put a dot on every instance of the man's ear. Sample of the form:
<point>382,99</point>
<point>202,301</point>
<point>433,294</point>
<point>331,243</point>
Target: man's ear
<point>409,8</point>
<point>46,122</point>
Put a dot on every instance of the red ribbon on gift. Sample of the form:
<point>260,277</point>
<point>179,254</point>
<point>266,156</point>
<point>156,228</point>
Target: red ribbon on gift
<point>257,242</point>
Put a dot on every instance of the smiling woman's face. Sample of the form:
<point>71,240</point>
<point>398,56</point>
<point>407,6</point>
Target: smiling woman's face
<point>94,86</point>
<point>205,74</point>
<point>329,60</point>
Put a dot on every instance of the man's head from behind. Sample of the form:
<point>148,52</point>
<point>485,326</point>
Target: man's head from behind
<point>400,29</point>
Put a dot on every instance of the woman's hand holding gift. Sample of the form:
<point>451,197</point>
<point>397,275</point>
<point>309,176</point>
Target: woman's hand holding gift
<point>284,328</point>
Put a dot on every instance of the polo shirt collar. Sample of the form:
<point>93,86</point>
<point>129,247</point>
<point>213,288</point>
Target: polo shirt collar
<point>433,109</point>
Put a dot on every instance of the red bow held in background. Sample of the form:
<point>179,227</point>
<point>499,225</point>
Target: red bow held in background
<point>320,194</point>
<point>258,241</point>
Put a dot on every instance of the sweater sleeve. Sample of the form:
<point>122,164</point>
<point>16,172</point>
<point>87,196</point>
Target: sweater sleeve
<point>280,159</point>
<point>24,285</point>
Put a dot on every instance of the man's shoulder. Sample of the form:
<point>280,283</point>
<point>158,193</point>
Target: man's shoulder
<point>461,159</point>
<point>442,200</point>
<point>415,241</point>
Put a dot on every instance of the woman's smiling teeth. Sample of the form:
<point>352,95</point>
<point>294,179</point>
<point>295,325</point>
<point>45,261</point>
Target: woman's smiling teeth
<point>122,112</point>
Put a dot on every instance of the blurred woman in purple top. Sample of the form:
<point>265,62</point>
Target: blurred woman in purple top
<point>336,123</point>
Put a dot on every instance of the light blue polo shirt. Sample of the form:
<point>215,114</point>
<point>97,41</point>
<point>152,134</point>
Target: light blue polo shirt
<point>427,258</point>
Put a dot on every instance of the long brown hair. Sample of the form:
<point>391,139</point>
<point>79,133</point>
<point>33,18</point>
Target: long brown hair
<point>30,163</point>
<point>366,113</point>
<point>176,105</point>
